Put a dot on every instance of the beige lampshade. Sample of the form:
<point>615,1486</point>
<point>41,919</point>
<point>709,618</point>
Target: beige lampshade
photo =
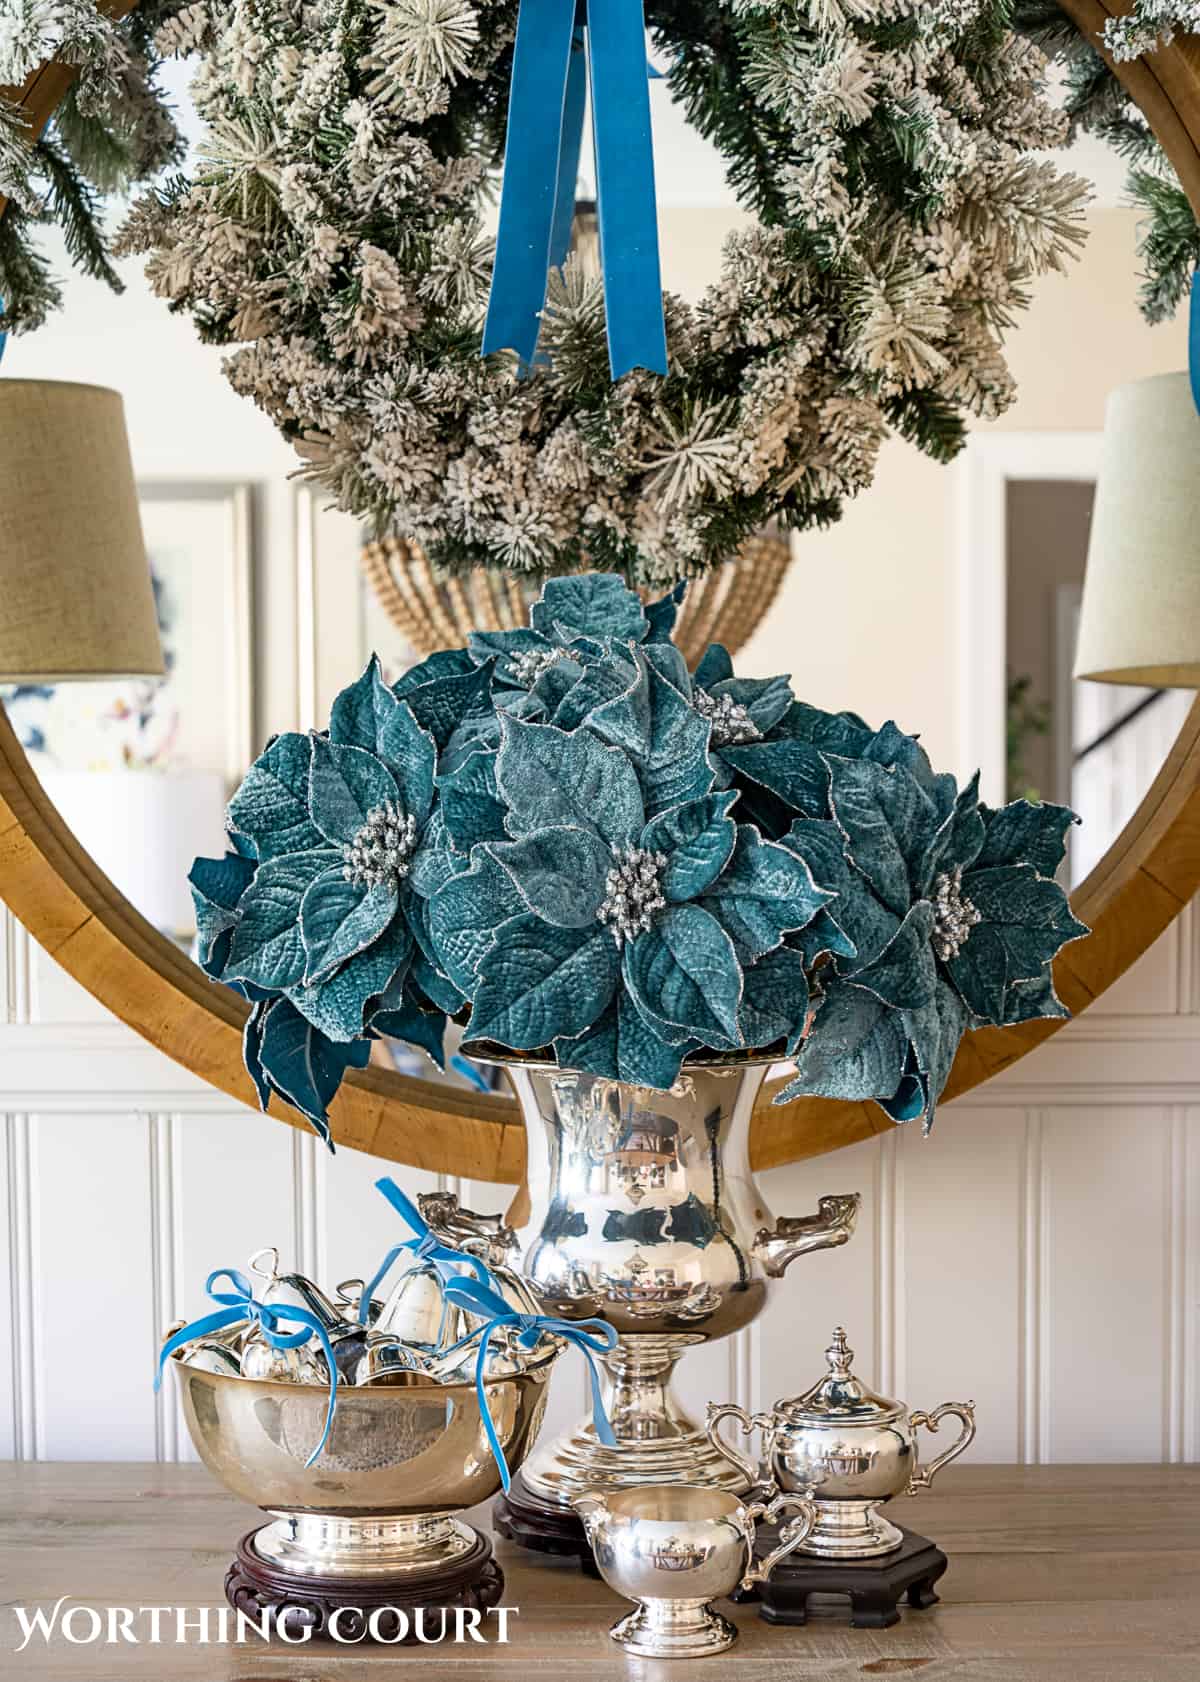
<point>1140,619</point>
<point>76,600</point>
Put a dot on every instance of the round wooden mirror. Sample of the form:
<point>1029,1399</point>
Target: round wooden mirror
<point>54,886</point>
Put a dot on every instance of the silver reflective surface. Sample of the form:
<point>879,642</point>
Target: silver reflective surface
<point>643,1212</point>
<point>848,1449</point>
<point>398,1461</point>
<point>674,1548</point>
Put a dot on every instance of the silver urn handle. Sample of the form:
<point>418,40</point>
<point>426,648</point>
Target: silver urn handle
<point>777,1247</point>
<point>965,1411</point>
<point>791,1534</point>
<point>749,1422</point>
<point>485,1236</point>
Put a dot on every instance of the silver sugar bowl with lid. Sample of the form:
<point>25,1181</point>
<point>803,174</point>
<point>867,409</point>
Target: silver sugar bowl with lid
<point>845,1448</point>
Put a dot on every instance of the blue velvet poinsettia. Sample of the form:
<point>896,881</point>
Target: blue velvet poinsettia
<point>951,909</point>
<point>571,844</point>
<point>620,912</point>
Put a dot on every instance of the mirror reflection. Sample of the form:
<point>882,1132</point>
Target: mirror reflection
<point>947,598</point>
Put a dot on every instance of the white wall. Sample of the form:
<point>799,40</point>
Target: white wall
<point>1039,1253</point>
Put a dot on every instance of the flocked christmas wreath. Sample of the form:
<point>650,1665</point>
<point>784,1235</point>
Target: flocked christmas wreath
<point>334,232</point>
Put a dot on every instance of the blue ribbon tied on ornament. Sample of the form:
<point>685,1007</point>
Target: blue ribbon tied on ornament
<point>424,1247</point>
<point>561,45</point>
<point>240,1303</point>
<point>590,1337</point>
<point>1194,340</point>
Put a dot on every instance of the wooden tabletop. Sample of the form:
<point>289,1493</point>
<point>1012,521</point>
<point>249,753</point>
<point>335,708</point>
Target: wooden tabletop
<point>1057,1574</point>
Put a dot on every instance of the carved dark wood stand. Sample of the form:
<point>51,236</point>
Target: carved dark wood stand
<point>254,1586</point>
<point>522,1518</point>
<point>875,1587</point>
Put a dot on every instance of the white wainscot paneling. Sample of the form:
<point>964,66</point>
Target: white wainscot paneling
<point>829,1288</point>
<point>93,1285</point>
<point>223,1187</point>
<point>1110,1277</point>
<point>964,1257</point>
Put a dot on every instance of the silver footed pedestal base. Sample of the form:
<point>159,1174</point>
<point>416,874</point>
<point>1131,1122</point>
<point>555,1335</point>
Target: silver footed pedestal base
<point>674,1629</point>
<point>319,1545</point>
<point>656,1440</point>
<point>850,1530</point>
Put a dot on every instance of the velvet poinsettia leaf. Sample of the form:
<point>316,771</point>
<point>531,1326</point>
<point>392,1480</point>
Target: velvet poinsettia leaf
<point>766,891</point>
<point>271,807</point>
<point>441,706</point>
<point>345,786</point>
<point>548,776</point>
<point>742,710</point>
<point>436,859</point>
<point>434,986</point>
<point>538,983</point>
<point>623,1046</point>
<point>267,947</point>
<point>340,1003</point>
<point>339,919</point>
<point>1023,921</point>
<point>595,684</point>
<point>1025,1001</point>
<point>588,605</point>
<point>934,1033</point>
<point>684,976</point>
<point>407,1020</point>
<point>857,1048</point>
<point>252,1035</point>
<point>792,771</point>
<point>956,844</point>
<point>904,974</point>
<point>775,1000</point>
<point>663,736</point>
<point>662,614</point>
<point>434,668</point>
<point>466,915</point>
<point>559,873</point>
<point>368,716</point>
<point>858,925</point>
<point>303,1066</point>
<point>697,842</point>
<point>469,801</point>
<point>217,886</point>
<point>1025,833</point>
<point>887,819</point>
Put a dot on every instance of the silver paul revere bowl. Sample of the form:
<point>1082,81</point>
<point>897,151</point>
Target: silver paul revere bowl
<point>401,1461</point>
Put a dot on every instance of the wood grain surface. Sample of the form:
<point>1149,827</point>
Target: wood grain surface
<point>1148,875</point>
<point>1057,1574</point>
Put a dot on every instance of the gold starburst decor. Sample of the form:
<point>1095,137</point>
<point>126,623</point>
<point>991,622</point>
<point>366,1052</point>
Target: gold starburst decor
<point>726,604</point>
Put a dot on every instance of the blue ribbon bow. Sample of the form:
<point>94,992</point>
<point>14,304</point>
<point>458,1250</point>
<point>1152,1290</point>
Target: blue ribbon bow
<point>590,1337</point>
<point>424,1246</point>
<point>551,64</point>
<point>241,1304</point>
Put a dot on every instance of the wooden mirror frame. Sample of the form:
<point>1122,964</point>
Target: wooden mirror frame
<point>68,905</point>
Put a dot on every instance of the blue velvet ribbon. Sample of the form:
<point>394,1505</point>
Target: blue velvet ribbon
<point>541,161</point>
<point>424,1246</point>
<point>241,1304</point>
<point>1194,340</point>
<point>590,1337</point>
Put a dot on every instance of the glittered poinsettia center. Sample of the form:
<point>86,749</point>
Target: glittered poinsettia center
<point>528,667</point>
<point>632,893</point>
<point>732,725</point>
<point>381,853</point>
<point>954,916</point>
